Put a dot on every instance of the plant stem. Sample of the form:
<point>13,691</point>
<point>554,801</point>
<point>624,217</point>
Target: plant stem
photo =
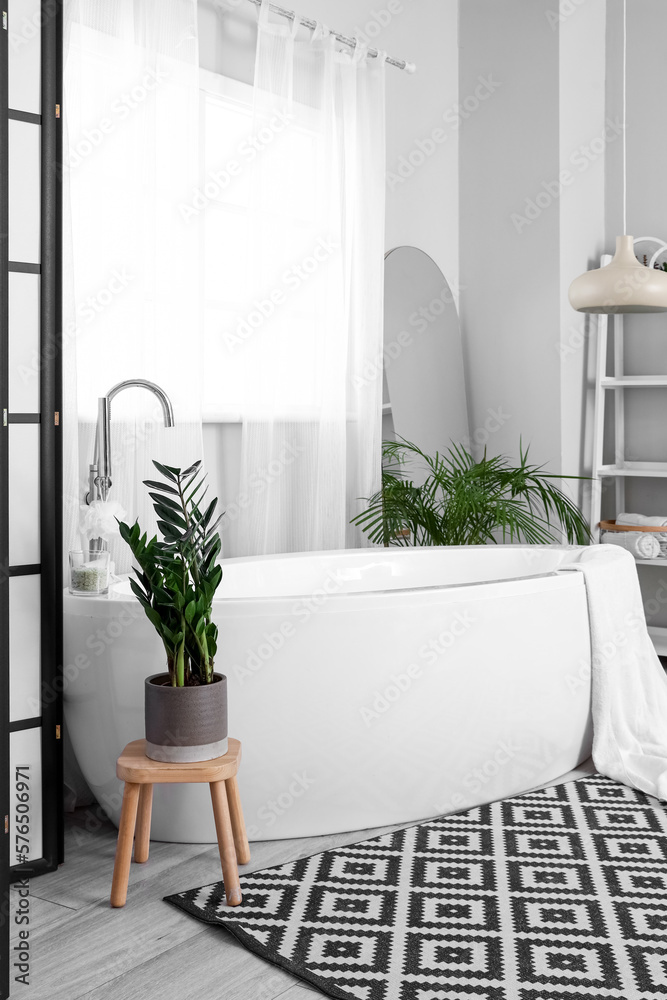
<point>179,674</point>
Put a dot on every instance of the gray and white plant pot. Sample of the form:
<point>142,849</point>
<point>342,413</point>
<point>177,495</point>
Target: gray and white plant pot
<point>185,724</point>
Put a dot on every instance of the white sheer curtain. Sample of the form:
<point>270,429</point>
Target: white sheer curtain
<point>131,265</point>
<point>312,320</point>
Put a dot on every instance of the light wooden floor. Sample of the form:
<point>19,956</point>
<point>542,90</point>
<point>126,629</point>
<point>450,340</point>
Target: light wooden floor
<point>149,950</point>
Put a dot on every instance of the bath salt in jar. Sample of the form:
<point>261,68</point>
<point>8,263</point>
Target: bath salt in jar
<point>89,572</point>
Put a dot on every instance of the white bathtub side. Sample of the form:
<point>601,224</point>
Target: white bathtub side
<point>355,710</point>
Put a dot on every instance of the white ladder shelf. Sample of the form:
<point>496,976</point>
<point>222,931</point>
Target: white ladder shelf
<point>621,469</point>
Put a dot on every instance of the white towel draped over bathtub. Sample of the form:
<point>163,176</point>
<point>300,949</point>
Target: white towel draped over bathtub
<point>629,685</point>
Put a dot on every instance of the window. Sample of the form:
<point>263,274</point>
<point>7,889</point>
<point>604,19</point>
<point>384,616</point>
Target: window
<point>262,242</point>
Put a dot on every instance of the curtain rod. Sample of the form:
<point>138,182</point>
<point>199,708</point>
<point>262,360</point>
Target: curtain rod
<point>352,42</point>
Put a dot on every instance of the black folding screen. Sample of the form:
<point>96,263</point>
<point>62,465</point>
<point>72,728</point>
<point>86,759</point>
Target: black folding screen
<point>4,537</point>
<point>30,450</point>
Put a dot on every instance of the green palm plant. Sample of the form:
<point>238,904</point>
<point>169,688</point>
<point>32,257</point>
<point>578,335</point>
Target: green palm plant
<point>177,576</point>
<point>467,502</point>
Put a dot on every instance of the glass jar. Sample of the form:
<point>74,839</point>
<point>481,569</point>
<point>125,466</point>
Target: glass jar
<point>89,573</point>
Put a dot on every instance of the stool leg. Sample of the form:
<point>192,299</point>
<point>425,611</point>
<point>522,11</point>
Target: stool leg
<point>223,828</point>
<point>238,823</point>
<point>121,869</point>
<point>142,836</point>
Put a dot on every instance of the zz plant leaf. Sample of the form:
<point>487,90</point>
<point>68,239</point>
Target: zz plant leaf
<point>177,575</point>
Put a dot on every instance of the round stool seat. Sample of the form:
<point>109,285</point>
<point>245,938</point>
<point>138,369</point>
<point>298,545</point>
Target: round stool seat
<point>133,765</point>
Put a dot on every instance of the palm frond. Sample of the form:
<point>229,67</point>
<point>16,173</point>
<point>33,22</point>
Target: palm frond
<point>462,501</point>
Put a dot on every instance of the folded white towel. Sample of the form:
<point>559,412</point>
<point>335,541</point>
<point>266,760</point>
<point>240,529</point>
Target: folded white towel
<point>642,544</point>
<point>629,686</point>
<point>639,519</point>
<point>654,522</point>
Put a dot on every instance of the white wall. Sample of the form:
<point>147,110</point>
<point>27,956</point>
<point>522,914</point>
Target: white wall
<point>509,147</point>
<point>585,137</point>
<point>532,218</point>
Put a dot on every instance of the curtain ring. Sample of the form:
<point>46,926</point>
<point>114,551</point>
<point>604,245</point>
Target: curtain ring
<point>360,51</point>
<point>382,55</point>
<point>320,31</point>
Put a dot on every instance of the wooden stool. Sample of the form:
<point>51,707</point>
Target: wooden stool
<point>140,773</point>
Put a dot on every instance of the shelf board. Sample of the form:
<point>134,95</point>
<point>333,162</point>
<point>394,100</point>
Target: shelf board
<point>660,561</point>
<point>635,382</point>
<point>647,470</point>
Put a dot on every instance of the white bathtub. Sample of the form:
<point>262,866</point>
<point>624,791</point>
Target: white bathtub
<point>368,687</point>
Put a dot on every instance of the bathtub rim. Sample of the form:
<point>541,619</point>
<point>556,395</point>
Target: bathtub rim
<point>562,577</point>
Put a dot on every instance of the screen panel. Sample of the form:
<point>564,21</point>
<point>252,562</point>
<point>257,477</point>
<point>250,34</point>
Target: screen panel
<point>25,615</point>
<point>24,55</point>
<point>24,292</point>
<point>25,795</point>
<point>24,476</point>
<point>24,191</point>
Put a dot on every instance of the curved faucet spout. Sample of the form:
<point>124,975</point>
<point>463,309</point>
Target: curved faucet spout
<point>100,471</point>
<point>142,383</point>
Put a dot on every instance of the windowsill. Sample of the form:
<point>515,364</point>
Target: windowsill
<point>222,418</point>
<point>263,418</point>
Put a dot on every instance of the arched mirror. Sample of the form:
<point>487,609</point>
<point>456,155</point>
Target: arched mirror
<point>424,381</point>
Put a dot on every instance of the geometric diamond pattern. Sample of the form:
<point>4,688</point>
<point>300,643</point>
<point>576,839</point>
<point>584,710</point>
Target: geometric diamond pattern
<point>559,894</point>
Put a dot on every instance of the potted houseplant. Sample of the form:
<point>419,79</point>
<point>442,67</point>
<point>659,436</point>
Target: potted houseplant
<point>462,501</point>
<point>176,578</point>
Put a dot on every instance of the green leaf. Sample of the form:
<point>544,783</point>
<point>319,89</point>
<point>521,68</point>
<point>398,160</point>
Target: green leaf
<point>163,487</point>
<point>461,501</point>
<point>166,500</point>
<point>178,573</point>
<point>168,471</point>
<point>170,533</point>
<point>137,590</point>
<point>154,617</point>
<point>169,516</point>
<point>191,469</point>
<point>124,530</point>
<point>190,498</point>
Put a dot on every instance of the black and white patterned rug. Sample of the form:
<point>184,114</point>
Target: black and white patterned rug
<point>558,894</point>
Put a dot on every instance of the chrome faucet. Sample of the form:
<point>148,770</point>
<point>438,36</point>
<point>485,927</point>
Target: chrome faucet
<point>99,478</point>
